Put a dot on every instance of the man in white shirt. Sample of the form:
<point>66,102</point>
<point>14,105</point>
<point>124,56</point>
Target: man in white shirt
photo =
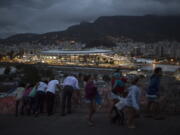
<point>51,90</point>
<point>41,89</point>
<point>70,83</point>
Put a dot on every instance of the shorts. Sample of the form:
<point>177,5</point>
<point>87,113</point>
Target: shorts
<point>89,101</point>
<point>152,98</point>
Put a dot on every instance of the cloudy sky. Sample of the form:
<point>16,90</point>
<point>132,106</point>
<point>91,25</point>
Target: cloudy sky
<point>39,16</point>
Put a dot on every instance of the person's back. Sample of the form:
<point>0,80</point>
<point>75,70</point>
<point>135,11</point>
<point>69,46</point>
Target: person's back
<point>133,97</point>
<point>154,85</point>
<point>42,86</point>
<point>52,85</point>
<point>27,91</point>
<point>90,90</point>
<point>33,92</point>
<point>71,81</point>
<point>118,85</point>
<point>19,92</point>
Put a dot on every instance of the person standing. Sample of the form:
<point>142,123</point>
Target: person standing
<point>41,92</point>
<point>18,95</point>
<point>153,92</point>
<point>118,83</point>
<point>133,102</point>
<point>50,93</point>
<point>90,96</point>
<point>78,93</point>
<point>33,99</point>
<point>26,100</point>
<point>70,84</point>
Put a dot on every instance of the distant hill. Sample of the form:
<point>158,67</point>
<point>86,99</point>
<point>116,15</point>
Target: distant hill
<point>139,28</point>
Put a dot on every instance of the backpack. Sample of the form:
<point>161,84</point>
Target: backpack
<point>117,84</point>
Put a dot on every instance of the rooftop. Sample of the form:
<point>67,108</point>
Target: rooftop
<point>59,52</point>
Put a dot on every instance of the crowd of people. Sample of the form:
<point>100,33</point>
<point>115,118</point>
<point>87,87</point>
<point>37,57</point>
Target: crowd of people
<point>122,98</point>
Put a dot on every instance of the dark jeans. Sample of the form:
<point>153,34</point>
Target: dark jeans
<point>33,104</point>
<point>26,102</point>
<point>50,102</point>
<point>66,99</point>
<point>119,116</point>
<point>40,101</point>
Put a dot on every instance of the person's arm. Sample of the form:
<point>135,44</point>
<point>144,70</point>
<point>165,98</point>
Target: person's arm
<point>76,84</point>
<point>15,92</point>
<point>58,86</point>
<point>37,84</point>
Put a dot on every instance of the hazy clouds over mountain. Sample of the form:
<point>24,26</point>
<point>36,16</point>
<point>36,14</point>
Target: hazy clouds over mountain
<point>38,16</point>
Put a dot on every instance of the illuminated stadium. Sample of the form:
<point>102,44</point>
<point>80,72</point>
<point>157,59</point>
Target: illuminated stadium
<point>96,57</point>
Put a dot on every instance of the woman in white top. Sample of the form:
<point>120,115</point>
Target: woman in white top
<point>133,102</point>
<point>18,95</point>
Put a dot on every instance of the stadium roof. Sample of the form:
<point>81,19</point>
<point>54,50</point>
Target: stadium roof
<point>66,52</point>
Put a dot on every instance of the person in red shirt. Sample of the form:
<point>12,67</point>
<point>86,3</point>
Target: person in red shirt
<point>118,83</point>
<point>118,89</point>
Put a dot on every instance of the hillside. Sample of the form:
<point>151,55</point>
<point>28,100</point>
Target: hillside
<point>139,28</point>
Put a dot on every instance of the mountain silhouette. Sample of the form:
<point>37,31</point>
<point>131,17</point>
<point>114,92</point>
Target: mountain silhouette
<point>149,28</point>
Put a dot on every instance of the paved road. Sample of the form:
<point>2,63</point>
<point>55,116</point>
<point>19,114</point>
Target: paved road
<point>75,124</point>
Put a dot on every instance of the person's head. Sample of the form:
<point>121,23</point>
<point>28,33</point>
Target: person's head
<point>45,81</point>
<point>21,84</point>
<point>135,80</point>
<point>88,78</point>
<point>116,75</point>
<point>158,71</point>
<point>106,78</point>
<point>117,71</point>
<point>95,77</point>
<point>80,76</point>
<point>29,85</point>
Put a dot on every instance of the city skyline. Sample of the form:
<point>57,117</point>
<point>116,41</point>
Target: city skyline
<point>40,16</point>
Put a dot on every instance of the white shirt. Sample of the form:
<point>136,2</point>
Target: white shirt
<point>42,86</point>
<point>71,81</point>
<point>133,97</point>
<point>51,87</point>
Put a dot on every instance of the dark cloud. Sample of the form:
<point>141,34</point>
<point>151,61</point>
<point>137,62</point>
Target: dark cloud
<point>19,16</point>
